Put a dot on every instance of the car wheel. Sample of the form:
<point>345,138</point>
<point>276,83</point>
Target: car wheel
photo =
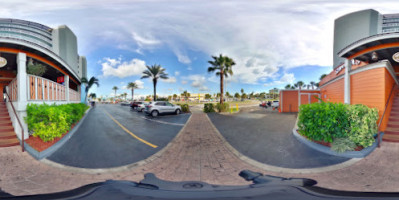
<point>177,111</point>
<point>154,113</point>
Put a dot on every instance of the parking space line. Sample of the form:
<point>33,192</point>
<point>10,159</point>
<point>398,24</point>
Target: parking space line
<point>132,134</point>
<point>168,123</point>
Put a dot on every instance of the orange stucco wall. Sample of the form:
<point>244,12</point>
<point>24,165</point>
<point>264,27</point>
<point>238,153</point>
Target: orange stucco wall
<point>289,99</point>
<point>333,92</point>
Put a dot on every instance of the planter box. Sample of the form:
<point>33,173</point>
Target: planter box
<point>43,154</point>
<point>348,154</point>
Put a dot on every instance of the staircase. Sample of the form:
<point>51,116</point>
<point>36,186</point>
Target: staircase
<point>7,134</point>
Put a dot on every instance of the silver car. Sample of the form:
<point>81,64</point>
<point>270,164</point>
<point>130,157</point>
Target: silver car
<point>162,107</point>
<point>141,107</point>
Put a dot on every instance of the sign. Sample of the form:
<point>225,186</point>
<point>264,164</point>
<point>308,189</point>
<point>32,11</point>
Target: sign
<point>339,68</point>
<point>395,57</point>
<point>3,62</point>
<point>60,79</point>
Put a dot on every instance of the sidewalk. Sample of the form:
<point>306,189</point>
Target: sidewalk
<point>198,154</point>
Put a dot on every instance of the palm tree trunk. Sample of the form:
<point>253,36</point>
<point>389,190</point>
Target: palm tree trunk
<point>132,94</point>
<point>221,86</point>
<point>155,89</point>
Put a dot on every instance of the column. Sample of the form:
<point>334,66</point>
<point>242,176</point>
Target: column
<point>22,92</point>
<point>66,84</point>
<point>347,82</point>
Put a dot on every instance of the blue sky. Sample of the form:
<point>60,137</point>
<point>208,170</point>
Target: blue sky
<point>274,42</point>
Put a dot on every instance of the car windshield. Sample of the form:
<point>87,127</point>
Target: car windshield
<point>197,92</point>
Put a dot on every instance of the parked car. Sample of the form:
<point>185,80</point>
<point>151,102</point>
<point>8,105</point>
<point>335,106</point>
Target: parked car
<point>135,104</point>
<point>141,107</point>
<point>275,104</point>
<point>162,107</point>
<point>262,104</point>
<point>125,103</point>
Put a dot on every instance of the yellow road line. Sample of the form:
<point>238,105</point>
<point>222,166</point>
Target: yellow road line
<point>125,129</point>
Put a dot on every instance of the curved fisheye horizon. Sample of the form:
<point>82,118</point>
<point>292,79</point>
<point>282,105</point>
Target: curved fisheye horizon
<point>213,98</point>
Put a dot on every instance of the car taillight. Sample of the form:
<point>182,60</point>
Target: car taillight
<point>149,106</point>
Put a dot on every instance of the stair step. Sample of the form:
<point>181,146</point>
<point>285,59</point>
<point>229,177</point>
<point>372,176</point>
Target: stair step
<point>7,135</point>
<point>5,123</point>
<point>392,125</point>
<point>9,142</point>
<point>391,132</point>
<point>390,138</point>
<point>6,114</point>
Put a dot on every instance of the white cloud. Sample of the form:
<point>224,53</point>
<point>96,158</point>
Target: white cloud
<point>287,78</point>
<point>140,84</point>
<point>197,81</point>
<point>265,35</point>
<point>115,67</point>
<point>184,82</point>
<point>169,80</point>
<point>177,73</point>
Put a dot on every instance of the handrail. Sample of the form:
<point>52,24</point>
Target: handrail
<point>383,114</point>
<point>20,124</point>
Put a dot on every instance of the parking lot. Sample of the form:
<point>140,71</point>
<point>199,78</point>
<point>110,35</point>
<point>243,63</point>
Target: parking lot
<point>114,135</point>
<point>266,136</point>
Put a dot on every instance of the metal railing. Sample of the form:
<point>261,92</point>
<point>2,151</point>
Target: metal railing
<point>383,114</point>
<point>19,122</point>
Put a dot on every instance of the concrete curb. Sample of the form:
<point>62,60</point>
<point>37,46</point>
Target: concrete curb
<point>40,155</point>
<point>282,169</point>
<point>349,154</point>
<point>121,168</point>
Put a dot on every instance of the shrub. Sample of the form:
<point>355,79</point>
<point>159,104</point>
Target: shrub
<point>329,121</point>
<point>323,121</point>
<point>341,145</point>
<point>363,124</point>
<point>185,108</point>
<point>223,107</point>
<point>51,121</point>
<point>209,107</point>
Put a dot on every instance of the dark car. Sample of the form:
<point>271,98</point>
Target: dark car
<point>136,104</point>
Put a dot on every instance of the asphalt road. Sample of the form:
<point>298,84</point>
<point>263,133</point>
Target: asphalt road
<point>266,136</point>
<point>101,143</point>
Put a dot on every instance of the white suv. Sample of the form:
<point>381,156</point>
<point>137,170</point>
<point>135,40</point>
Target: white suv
<point>161,107</point>
<point>275,104</point>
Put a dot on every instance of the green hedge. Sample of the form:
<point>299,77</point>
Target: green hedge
<point>328,121</point>
<point>184,108</point>
<point>51,121</point>
<point>209,107</point>
<point>223,107</point>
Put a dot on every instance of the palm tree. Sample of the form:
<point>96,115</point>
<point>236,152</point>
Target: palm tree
<point>242,91</point>
<point>185,94</point>
<point>132,86</point>
<point>288,86</point>
<point>223,65</point>
<point>115,89</point>
<point>174,97</point>
<point>92,95</point>
<point>299,84</point>
<point>237,95</point>
<point>312,83</point>
<point>317,84</point>
<point>125,94</point>
<point>93,80</point>
<point>155,72</point>
<point>322,76</point>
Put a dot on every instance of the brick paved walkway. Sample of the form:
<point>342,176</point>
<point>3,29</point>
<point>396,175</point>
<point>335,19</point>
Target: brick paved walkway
<point>196,154</point>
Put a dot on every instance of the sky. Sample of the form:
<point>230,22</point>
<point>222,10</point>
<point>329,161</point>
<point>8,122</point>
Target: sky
<point>273,42</point>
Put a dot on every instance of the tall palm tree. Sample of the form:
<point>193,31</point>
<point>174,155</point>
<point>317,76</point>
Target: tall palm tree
<point>155,72</point>
<point>223,66</point>
<point>312,83</point>
<point>92,95</point>
<point>115,89</point>
<point>288,86</point>
<point>89,83</point>
<point>174,97</point>
<point>242,91</point>
<point>125,94</point>
<point>132,86</point>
